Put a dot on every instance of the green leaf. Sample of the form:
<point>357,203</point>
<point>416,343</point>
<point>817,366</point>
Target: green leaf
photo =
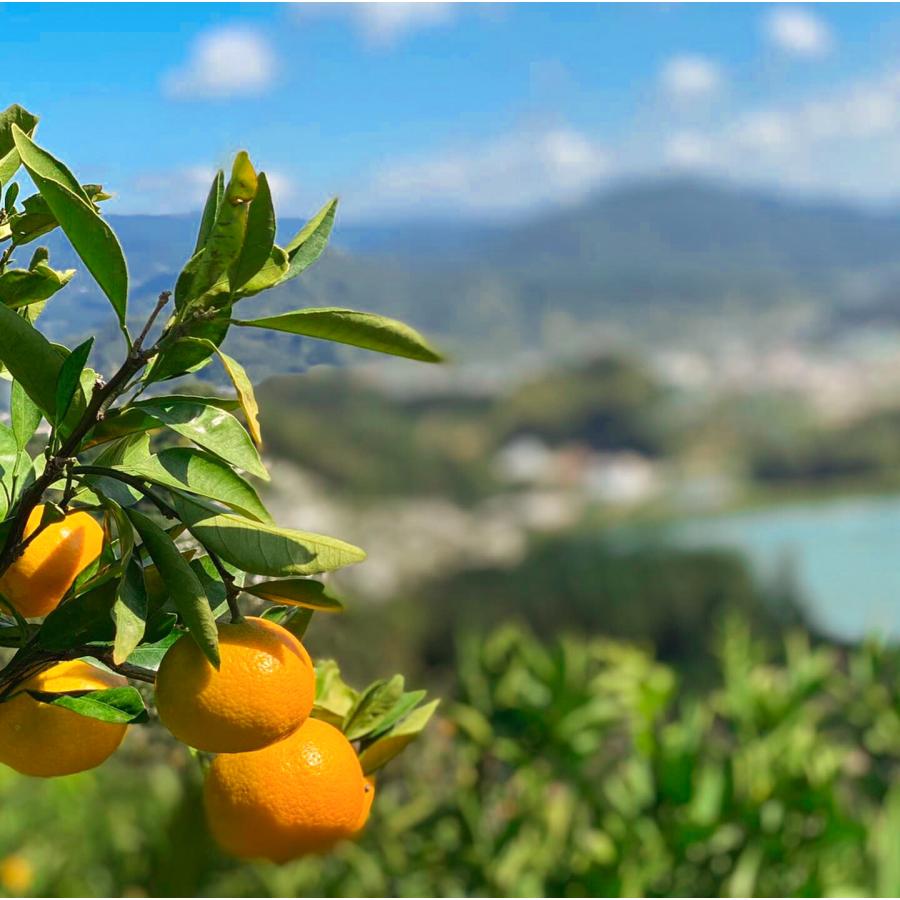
<point>24,414</point>
<point>70,378</point>
<point>123,422</point>
<point>374,703</point>
<point>129,612</point>
<point>90,236</point>
<point>209,426</point>
<point>264,549</point>
<point>310,242</point>
<point>149,656</point>
<point>200,473</point>
<point>296,592</point>
<point>268,276</point>
<point>9,156</point>
<point>334,697</point>
<point>9,201</point>
<point>400,710</point>
<point>31,359</point>
<point>244,389</point>
<point>347,326</point>
<point>226,237</point>
<point>292,618</point>
<point>121,705</point>
<point>259,239</point>
<point>396,740</point>
<point>186,590</point>
<point>22,287</point>
<point>189,352</point>
<point>211,207</point>
<point>85,619</point>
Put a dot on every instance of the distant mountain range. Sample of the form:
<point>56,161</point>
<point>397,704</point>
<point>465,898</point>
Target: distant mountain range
<point>648,255</point>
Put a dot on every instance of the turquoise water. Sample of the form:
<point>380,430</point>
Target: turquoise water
<point>843,555</point>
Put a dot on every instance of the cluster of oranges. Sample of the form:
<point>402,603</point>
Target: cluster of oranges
<point>282,783</point>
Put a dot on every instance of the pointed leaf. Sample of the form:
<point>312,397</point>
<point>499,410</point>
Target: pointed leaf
<point>347,326</point>
<point>25,415</point>
<point>246,397</point>
<point>259,238</point>
<point>389,745</point>
<point>201,473</point>
<point>374,703</point>
<point>70,378</point>
<point>226,237</point>
<point>9,156</point>
<point>121,705</point>
<point>310,242</point>
<point>129,612</point>
<point>31,359</point>
<point>208,426</point>
<point>296,592</point>
<point>264,549</point>
<point>213,200</point>
<point>90,236</point>
<point>187,592</point>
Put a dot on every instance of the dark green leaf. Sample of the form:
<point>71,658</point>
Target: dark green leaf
<point>149,656</point>
<point>208,426</point>
<point>199,473</point>
<point>122,705</point>
<point>69,379</point>
<point>129,612</point>
<point>119,423</point>
<point>259,238</point>
<point>347,326</point>
<point>82,620</point>
<point>297,592</point>
<point>309,243</point>
<point>292,618</point>
<point>90,236</point>
<point>210,208</point>
<point>263,549</point>
<point>374,703</point>
<point>25,415</point>
<point>186,591</point>
<point>190,352</point>
<point>31,359</point>
<point>226,237</point>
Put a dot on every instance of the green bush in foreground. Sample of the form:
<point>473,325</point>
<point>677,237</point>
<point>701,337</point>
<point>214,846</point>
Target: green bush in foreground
<point>574,769</point>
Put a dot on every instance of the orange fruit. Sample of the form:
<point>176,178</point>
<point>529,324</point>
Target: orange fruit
<point>40,577</point>
<point>367,803</point>
<point>301,795</point>
<point>16,874</point>
<point>43,740</point>
<point>263,690</point>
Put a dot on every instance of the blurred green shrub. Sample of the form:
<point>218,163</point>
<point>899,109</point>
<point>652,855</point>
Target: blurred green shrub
<point>574,768</point>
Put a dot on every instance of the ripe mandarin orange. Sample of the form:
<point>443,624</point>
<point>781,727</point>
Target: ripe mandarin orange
<point>263,690</point>
<point>40,577</point>
<point>43,740</point>
<point>301,795</point>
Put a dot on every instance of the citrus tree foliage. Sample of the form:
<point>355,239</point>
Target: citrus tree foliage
<point>170,475</point>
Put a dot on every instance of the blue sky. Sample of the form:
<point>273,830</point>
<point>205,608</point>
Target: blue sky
<point>480,110</point>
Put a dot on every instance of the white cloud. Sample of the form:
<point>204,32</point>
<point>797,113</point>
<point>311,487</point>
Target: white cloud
<point>226,62</point>
<point>689,150</point>
<point>386,24</point>
<point>845,141</point>
<point>502,176</point>
<point>798,32</point>
<point>687,78</point>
